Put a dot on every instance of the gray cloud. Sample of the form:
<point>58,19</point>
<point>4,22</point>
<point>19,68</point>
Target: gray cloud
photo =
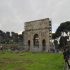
<point>13,13</point>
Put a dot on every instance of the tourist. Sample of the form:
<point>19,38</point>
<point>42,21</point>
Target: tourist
<point>29,50</point>
<point>48,50</point>
<point>25,50</point>
<point>57,50</point>
<point>65,57</point>
<point>67,53</point>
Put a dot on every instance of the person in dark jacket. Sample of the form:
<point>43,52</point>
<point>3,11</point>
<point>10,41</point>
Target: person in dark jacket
<point>65,57</point>
<point>67,53</point>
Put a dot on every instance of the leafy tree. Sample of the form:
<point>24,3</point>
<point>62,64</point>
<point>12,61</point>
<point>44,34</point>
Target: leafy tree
<point>53,36</point>
<point>21,38</point>
<point>63,41</point>
<point>8,40</point>
<point>1,33</point>
<point>8,34</point>
<point>12,33</point>
<point>56,43</point>
<point>15,37</point>
<point>64,27</point>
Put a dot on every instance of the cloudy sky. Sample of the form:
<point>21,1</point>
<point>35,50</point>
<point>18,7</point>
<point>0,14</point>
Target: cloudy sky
<point>14,13</point>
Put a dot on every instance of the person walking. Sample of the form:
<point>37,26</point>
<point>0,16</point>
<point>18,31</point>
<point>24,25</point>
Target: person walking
<point>67,53</point>
<point>65,57</point>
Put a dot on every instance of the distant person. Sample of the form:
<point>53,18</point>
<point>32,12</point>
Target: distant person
<point>25,49</point>
<point>1,48</point>
<point>53,50</point>
<point>65,57</point>
<point>57,50</point>
<point>48,50</point>
<point>29,50</point>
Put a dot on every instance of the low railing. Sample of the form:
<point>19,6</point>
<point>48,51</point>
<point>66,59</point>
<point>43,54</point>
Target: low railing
<point>64,68</point>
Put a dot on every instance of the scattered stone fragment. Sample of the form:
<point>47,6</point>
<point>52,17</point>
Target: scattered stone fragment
<point>2,53</point>
<point>17,52</point>
<point>22,54</point>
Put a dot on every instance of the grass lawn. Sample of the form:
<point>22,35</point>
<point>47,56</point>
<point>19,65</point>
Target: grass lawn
<point>19,60</point>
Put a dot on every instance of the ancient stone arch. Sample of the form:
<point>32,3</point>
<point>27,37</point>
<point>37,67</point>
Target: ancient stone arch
<point>39,32</point>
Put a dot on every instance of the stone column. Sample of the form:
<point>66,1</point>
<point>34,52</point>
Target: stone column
<point>31,46</point>
<point>40,43</point>
<point>47,41</point>
<point>25,41</point>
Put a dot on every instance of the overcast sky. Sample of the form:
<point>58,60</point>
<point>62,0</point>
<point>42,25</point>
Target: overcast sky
<point>14,13</point>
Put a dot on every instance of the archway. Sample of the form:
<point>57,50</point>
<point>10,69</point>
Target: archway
<point>36,40</point>
<point>29,44</point>
<point>44,44</point>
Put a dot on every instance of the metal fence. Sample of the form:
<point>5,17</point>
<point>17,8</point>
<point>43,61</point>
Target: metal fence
<point>36,49</point>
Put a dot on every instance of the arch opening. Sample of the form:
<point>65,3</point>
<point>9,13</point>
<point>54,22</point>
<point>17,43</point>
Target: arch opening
<point>28,44</point>
<point>36,40</point>
<point>44,44</point>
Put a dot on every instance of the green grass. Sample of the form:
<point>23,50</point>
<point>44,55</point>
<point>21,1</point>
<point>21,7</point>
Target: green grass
<point>10,60</point>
